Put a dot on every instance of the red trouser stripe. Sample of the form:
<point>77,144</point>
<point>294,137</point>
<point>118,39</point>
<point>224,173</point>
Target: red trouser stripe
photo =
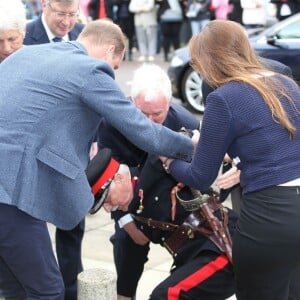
<point>194,279</point>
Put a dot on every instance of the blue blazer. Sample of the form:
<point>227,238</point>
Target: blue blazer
<point>36,33</point>
<point>48,120</point>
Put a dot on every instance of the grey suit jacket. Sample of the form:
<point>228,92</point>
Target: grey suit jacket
<point>52,97</point>
<point>36,33</point>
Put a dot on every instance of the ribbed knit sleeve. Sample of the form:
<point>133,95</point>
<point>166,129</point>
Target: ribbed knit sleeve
<point>237,121</point>
<point>214,137</point>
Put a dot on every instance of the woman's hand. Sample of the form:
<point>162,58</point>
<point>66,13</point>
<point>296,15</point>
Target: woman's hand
<point>229,178</point>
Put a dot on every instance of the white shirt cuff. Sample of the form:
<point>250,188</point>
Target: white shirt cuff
<point>125,220</point>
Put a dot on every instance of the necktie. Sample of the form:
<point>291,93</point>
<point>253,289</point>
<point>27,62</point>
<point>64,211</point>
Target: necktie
<point>57,39</point>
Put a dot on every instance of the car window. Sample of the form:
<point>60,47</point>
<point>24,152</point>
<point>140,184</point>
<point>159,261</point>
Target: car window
<point>291,31</point>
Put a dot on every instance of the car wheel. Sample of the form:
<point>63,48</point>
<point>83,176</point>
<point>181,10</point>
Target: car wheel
<point>191,90</point>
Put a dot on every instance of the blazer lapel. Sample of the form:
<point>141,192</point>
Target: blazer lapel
<point>39,35</point>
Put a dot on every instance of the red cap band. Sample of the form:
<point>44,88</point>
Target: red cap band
<point>109,173</point>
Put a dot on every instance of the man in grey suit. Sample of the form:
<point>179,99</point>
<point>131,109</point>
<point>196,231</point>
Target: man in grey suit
<point>48,117</point>
<point>58,22</point>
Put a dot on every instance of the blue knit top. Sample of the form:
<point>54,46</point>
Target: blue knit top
<point>237,121</point>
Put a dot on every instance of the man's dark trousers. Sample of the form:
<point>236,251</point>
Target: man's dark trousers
<point>68,250</point>
<point>16,288</point>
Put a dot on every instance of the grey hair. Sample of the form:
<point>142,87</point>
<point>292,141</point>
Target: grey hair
<point>151,81</point>
<point>123,169</point>
<point>12,15</point>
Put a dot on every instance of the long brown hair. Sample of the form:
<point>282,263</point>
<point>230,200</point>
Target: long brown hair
<point>221,53</point>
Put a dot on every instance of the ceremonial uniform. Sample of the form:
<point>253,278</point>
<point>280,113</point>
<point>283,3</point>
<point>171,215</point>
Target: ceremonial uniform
<point>200,270</point>
<point>126,152</point>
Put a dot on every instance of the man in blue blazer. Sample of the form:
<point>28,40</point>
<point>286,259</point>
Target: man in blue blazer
<point>49,115</point>
<point>58,21</point>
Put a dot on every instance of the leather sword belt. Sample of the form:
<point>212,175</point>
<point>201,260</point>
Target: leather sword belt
<point>198,221</point>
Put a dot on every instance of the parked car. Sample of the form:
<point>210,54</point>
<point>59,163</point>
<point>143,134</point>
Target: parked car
<point>280,42</point>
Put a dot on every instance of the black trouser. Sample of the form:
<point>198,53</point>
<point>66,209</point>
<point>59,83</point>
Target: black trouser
<point>171,35</point>
<point>266,245</point>
<point>127,26</point>
<point>208,276</point>
<point>68,251</point>
<point>129,260</point>
<point>28,268</point>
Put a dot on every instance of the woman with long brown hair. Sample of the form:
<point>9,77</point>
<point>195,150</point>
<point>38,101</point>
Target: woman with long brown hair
<point>253,114</point>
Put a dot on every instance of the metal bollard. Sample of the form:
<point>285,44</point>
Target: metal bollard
<point>97,284</point>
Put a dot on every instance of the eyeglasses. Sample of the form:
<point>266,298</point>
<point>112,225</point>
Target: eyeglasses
<point>62,15</point>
